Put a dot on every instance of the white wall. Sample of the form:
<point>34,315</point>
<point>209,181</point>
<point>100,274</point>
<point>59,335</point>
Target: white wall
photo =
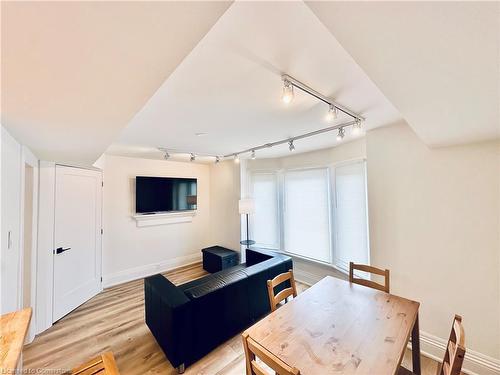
<point>130,251</point>
<point>354,149</point>
<point>19,190</point>
<point>434,222</point>
<point>307,271</point>
<point>11,222</point>
<point>224,196</point>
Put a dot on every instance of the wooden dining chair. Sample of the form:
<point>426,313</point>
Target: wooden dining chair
<point>455,352</point>
<point>254,350</point>
<point>369,283</point>
<point>274,300</point>
<point>103,364</point>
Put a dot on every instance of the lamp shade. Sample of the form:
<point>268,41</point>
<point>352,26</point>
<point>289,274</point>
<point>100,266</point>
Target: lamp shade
<point>246,206</point>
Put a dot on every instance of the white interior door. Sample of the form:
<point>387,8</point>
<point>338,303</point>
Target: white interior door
<point>77,257</point>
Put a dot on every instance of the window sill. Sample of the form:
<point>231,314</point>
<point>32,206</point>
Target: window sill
<point>317,262</point>
<point>313,261</point>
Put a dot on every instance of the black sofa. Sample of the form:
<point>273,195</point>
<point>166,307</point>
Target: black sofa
<point>190,320</point>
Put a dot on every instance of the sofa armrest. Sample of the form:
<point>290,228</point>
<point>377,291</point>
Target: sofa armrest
<point>254,256</point>
<point>258,255</point>
<point>167,316</point>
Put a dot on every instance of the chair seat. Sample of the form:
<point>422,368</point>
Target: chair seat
<point>404,371</point>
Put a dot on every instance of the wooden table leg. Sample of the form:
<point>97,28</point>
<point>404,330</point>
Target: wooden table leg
<point>415,347</point>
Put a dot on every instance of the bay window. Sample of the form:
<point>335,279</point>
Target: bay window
<point>314,213</point>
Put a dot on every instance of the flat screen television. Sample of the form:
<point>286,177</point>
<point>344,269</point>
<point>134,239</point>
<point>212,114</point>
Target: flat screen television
<point>164,194</point>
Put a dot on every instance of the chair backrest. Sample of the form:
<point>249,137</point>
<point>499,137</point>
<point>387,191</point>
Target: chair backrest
<point>455,350</point>
<point>102,365</point>
<point>274,300</point>
<point>254,350</point>
<point>372,284</point>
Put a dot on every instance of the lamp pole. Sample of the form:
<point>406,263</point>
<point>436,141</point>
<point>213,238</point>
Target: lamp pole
<point>247,242</point>
<point>246,206</point>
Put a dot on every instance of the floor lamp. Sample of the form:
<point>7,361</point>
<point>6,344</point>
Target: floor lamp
<point>246,207</point>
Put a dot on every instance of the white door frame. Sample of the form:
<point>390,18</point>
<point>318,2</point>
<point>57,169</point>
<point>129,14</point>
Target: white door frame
<point>46,245</point>
<point>28,158</point>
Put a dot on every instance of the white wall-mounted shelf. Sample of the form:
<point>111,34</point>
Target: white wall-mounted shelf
<point>164,218</point>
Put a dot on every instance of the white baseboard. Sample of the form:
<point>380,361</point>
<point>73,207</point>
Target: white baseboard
<point>431,346</point>
<point>475,363</point>
<point>140,272</point>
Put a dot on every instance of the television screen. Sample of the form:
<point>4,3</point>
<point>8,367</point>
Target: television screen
<point>163,194</point>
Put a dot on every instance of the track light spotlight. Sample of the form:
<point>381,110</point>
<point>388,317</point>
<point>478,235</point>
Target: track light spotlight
<point>289,85</point>
<point>287,95</point>
<point>356,128</point>
<point>166,155</point>
<point>332,113</point>
<point>341,134</point>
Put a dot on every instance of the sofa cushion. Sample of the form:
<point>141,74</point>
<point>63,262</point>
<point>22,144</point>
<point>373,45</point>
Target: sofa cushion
<point>209,278</point>
<point>231,270</point>
<point>215,283</point>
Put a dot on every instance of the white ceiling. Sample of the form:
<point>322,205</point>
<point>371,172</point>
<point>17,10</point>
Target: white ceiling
<point>437,62</point>
<point>229,87</point>
<point>75,73</point>
<point>78,76</point>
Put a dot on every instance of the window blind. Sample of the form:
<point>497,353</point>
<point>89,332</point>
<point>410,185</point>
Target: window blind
<point>265,223</point>
<point>306,213</point>
<point>351,215</point>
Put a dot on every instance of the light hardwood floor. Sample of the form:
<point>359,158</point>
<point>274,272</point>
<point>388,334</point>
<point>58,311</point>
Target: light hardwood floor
<point>114,321</point>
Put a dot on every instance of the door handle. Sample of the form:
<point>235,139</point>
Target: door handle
<point>60,250</point>
<point>9,239</point>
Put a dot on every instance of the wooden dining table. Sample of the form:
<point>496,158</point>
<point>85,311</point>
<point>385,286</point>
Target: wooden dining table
<point>337,327</point>
<point>13,329</point>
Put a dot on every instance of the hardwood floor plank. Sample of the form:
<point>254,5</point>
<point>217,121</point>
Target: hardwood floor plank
<point>114,321</point>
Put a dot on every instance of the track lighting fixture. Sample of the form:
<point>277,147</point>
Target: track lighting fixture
<point>356,128</point>
<point>332,113</point>
<point>287,95</point>
<point>289,83</point>
<point>341,134</point>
